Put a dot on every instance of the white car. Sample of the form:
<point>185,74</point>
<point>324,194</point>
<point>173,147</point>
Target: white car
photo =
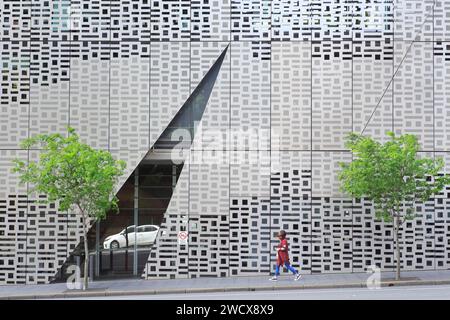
<point>145,235</point>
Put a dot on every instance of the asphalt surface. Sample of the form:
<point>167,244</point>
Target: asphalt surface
<point>435,292</point>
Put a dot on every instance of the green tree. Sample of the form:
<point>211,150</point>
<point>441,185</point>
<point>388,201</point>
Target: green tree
<point>393,176</point>
<point>75,176</point>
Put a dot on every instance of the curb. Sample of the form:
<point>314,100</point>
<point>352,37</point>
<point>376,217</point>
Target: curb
<point>106,293</point>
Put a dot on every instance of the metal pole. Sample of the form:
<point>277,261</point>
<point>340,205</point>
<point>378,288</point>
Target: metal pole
<point>136,213</point>
<point>77,262</point>
<point>91,267</point>
<point>174,177</point>
<point>97,250</point>
<point>111,260</point>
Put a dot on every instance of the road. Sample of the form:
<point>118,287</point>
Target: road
<point>437,292</point>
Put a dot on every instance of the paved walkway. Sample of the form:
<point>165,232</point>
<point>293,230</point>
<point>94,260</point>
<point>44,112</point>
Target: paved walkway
<point>431,292</point>
<point>253,283</point>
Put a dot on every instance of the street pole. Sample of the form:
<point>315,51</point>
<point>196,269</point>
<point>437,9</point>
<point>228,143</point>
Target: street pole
<point>136,213</point>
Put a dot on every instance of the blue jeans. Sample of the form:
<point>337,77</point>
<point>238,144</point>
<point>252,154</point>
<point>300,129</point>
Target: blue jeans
<point>288,266</point>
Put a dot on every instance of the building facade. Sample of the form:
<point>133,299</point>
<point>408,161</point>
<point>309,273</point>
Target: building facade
<point>296,77</point>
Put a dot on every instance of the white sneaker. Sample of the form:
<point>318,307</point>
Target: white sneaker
<point>297,277</point>
<point>274,278</point>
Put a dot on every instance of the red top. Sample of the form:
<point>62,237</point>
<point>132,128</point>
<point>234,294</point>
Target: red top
<point>283,255</point>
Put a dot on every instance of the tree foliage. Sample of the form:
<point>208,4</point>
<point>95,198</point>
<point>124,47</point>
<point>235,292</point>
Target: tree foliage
<point>393,175</point>
<point>71,173</point>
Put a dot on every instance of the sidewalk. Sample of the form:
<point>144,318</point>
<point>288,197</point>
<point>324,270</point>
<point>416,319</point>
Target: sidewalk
<point>251,283</point>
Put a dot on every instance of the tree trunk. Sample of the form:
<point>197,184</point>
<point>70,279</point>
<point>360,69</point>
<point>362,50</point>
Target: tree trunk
<point>397,227</point>
<point>86,252</point>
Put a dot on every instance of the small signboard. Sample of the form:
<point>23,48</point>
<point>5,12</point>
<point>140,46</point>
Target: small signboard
<point>182,237</point>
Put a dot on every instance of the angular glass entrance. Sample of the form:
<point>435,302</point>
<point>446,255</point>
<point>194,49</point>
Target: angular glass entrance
<point>120,245</point>
<point>123,241</point>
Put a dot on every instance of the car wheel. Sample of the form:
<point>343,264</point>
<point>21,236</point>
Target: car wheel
<point>114,245</point>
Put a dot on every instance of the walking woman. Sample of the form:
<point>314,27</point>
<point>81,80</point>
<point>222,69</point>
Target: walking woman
<point>283,257</point>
